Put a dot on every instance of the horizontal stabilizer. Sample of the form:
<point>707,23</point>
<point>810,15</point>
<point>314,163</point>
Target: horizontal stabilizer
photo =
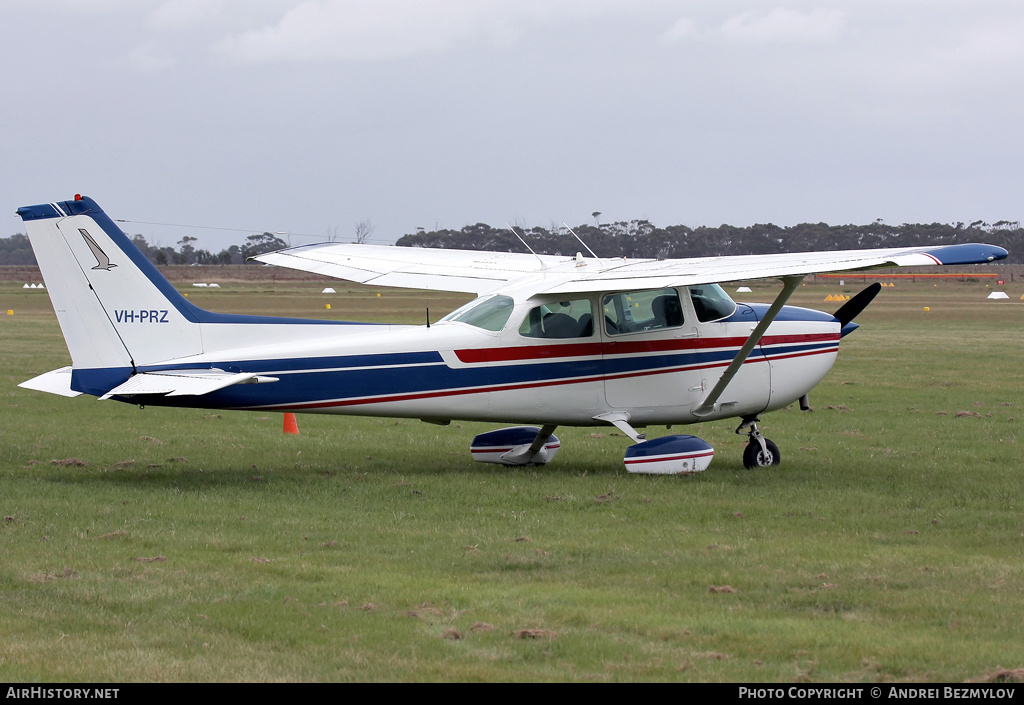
<point>176,383</point>
<point>54,382</point>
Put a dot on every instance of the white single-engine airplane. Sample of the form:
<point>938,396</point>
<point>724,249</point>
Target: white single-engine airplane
<point>550,341</point>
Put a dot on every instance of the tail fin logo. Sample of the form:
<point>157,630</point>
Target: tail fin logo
<point>102,261</point>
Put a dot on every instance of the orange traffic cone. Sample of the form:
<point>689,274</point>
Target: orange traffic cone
<point>290,426</point>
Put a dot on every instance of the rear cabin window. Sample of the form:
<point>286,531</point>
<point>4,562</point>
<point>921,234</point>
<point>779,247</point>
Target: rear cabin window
<point>564,319</point>
<point>637,311</point>
<point>711,303</point>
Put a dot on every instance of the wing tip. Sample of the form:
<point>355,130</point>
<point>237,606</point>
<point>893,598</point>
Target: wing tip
<point>968,253</point>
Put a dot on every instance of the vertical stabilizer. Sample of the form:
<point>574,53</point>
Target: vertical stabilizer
<point>114,308</point>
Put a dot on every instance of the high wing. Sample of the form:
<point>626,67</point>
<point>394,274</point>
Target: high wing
<point>484,272</point>
<point>471,271</point>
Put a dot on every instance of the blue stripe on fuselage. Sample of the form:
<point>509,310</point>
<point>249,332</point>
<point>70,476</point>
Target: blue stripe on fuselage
<point>793,313</point>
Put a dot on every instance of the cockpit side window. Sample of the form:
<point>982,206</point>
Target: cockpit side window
<point>563,319</point>
<point>711,303</point>
<point>488,312</point>
<point>635,311</point>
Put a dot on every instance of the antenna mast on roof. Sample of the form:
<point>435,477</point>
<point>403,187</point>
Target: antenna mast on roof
<point>526,244</point>
<point>583,243</point>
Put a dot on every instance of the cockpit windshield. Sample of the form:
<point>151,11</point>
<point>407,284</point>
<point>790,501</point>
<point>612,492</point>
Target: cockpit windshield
<point>487,312</point>
<point>711,303</point>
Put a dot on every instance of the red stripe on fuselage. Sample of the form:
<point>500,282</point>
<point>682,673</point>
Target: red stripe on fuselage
<point>625,347</point>
<point>819,351</point>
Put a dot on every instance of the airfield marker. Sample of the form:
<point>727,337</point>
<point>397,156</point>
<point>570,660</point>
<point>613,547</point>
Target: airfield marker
<point>290,427</point>
<point>10,311</point>
<point>328,307</point>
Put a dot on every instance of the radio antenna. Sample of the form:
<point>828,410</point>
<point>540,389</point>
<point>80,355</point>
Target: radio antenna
<point>583,243</point>
<point>526,244</point>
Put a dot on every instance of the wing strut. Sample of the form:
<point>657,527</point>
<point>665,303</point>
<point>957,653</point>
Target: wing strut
<point>789,285</point>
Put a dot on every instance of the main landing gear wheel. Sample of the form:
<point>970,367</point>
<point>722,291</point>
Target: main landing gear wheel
<point>760,452</point>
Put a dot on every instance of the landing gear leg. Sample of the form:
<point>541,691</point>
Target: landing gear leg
<point>760,452</point>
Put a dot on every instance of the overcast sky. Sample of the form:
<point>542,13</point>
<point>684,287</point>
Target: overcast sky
<point>307,117</point>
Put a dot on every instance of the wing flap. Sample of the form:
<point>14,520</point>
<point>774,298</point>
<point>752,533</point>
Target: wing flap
<point>176,383</point>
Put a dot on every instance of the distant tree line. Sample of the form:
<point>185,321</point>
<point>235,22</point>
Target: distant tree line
<point>633,239</point>
<point>642,239</point>
<point>188,254</point>
<point>17,250</point>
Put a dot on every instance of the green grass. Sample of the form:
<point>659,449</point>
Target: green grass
<point>202,546</point>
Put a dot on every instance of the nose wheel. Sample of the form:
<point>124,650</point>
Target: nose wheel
<point>760,452</point>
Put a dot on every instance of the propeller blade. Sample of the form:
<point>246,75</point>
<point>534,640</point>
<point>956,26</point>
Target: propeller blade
<point>852,308</point>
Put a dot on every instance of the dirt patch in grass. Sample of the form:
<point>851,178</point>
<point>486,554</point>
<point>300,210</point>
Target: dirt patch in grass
<point>1003,675</point>
<point>46,577</point>
<point>533,634</point>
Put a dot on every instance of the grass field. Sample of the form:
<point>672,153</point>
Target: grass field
<point>180,545</point>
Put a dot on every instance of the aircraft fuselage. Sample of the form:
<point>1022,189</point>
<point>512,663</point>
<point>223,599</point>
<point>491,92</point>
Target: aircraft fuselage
<point>453,370</point>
